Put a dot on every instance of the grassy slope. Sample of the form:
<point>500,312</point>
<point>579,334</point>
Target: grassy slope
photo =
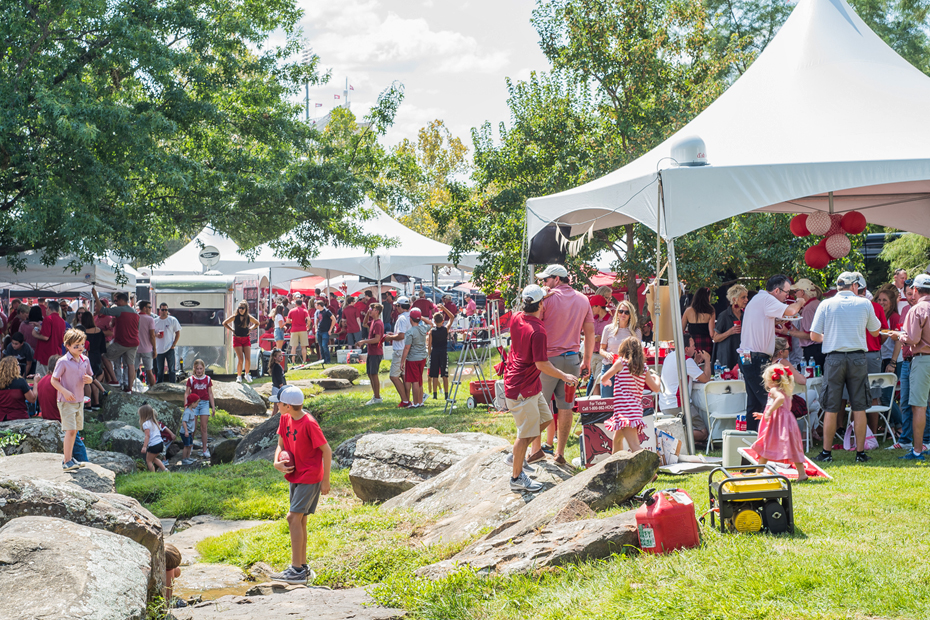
<point>859,551</point>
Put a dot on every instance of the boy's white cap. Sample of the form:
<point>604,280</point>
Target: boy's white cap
<point>533,293</point>
<point>289,395</point>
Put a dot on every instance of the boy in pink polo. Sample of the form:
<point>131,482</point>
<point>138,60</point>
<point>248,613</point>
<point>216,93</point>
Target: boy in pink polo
<point>71,374</point>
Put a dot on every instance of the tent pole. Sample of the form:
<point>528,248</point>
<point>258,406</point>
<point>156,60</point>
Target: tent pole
<point>657,310</point>
<point>679,345</point>
<point>378,258</point>
<point>831,203</point>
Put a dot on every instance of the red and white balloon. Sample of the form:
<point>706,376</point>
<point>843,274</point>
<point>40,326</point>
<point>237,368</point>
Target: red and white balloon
<point>833,228</point>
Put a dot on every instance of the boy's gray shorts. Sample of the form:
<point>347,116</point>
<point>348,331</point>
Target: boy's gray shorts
<point>304,498</point>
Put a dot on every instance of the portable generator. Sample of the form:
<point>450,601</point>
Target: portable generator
<point>746,501</point>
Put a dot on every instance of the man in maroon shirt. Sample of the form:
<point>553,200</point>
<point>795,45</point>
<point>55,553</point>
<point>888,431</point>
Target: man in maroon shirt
<point>425,305</point>
<point>353,318</point>
<point>528,358</point>
<point>122,351</point>
<point>50,337</point>
<point>449,304</point>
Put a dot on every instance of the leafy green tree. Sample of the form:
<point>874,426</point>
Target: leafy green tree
<point>910,252</point>
<point>128,123</point>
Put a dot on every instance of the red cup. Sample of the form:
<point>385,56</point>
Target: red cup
<point>737,322</point>
<point>161,334</point>
<point>569,393</point>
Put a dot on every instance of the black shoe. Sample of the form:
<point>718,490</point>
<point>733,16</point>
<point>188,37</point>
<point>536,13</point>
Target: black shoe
<point>824,457</point>
<point>862,457</point>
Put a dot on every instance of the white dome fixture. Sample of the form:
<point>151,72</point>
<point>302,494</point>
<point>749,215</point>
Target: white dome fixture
<point>690,151</point>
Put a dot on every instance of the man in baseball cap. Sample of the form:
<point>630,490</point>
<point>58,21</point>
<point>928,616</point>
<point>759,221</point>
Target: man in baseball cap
<point>413,358</point>
<point>528,358</point>
<point>567,315</point>
<point>396,338</point>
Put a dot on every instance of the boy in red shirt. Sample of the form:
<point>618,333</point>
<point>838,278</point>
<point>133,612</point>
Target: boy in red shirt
<point>306,467</point>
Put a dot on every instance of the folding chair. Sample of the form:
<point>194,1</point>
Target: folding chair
<point>719,418</point>
<point>883,381</point>
<point>814,385</point>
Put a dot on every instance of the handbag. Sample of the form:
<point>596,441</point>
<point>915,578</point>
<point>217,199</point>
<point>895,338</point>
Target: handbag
<point>798,406</point>
<point>849,443</point>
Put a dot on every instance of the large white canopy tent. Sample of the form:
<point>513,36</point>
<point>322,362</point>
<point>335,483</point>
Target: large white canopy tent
<point>828,118</point>
<point>60,277</point>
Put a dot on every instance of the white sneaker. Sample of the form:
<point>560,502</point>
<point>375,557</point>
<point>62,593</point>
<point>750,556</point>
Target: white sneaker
<point>238,378</point>
<point>523,483</point>
<point>528,469</point>
<point>373,401</point>
<point>205,454</point>
<point>248,378</point>
<point>900,446</point>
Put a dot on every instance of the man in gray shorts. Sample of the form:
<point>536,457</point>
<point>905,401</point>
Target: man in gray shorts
<point>840,324</point>
<point>566,314</point>
<point>397,350</point>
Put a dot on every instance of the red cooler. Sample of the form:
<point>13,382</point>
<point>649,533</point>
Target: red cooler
<point>666,522</point>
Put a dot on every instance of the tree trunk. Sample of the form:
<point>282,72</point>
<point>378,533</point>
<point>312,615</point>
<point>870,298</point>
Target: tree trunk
<point>631,287</point>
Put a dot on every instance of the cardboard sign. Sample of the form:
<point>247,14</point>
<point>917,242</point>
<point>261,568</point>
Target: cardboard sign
<point>593,404</point>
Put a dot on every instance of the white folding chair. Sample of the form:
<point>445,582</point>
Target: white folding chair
<point>814,385</point>
<point>883,381</point>
<point>715,417</point>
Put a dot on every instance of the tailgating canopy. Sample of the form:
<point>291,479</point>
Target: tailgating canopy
<point>60,279</point>
<point>412,250</point>
<point>827,118</point>
<point>827,106</point>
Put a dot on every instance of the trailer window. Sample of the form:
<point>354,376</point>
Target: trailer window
<point>198,316</point>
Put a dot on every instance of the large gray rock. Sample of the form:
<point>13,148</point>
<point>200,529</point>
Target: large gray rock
<point>329,383</point>
<point>224,451</point>
<point>116,462</point>
<point>344,454</point>
<point>124,439</point>
<point>341,372</point>
<point>553,545</point>
<point>234,398</point>
<point>472,495</point>
<point>125,407</point>
<point>51,568</point>
<point>316,603</point>
<point>608,483</point>
<point>386,465</point>
<point>260,438</point>
<point>46,466</point>
<point>23,496</point>
<point>41,436</point>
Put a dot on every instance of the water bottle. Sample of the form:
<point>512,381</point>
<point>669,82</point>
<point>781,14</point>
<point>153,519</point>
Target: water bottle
<point>718,369</point>
<point>802,368</point>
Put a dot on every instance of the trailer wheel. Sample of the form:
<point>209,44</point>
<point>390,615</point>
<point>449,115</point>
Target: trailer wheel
<point>470,403</point>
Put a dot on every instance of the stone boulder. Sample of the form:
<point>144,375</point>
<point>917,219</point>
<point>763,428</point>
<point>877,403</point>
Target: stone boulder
<point>24,496</point>
<point>344,454</point>
<point>386,465</point>
<point>472,495</point>
<point>239,398</point>
<point>116,462</point>
<point>124,439</point>
<point>348,373</point>
<point>47,466</point>
<point>608,483</point>
<point>331,383</point>
<point>51,568</point>
<point>224,451</point>
<point>172,393</point>
<point>313,602</point>
<point>553,545</point>
<point>41,436</point>
<point>125,407</point>
<point>260,438</point>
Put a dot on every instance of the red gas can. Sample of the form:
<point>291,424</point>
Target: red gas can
<point>666,522</point>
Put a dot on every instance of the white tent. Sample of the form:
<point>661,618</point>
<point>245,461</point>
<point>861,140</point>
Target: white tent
<point>60,278</point>
<point>412,250</point>
<point>827,118</point>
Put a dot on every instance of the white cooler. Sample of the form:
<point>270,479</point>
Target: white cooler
<point>733,441</point>
<point>342,355</point>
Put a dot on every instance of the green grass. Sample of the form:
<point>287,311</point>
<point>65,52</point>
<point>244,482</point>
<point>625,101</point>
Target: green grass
<point>221,420</point>
<point>859,552</point>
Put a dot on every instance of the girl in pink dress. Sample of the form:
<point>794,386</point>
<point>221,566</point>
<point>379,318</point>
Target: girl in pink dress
<point>632,375</point>
<point>779,436</point>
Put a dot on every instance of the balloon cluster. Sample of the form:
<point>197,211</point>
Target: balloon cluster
<point>832,228</point>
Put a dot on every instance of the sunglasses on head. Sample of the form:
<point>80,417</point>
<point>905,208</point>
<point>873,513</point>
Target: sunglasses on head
<point>909,282</point>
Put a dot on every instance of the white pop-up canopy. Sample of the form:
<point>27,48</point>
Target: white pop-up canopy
<point>412,250</point>
<point>828,118</point>
<point>827,107</point>
<point>61,278</point>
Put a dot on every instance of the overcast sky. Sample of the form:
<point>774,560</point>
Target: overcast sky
<point>451,57</point>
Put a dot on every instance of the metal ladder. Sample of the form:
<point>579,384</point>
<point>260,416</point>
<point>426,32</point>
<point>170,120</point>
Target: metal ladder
<point>470,357</point>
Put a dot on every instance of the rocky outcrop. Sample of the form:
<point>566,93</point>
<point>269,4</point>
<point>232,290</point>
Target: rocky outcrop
<point>224,451</point>
<point>24,496</point>
<point>348,373</point>
<point>546,532</point>
<point>262,437</point>
<point>46,466</point>
<point>234,398</point>
<point>344,454</point>
<point>41,436</point>
<point>125,407</point>
<point>553,545</point>
<point>52,568</point>
<point>331,383</point>
<point>116,462</point>
<point>124,439</point>
<point>325,604</point>
<point>386,465</point>
<point>472,495</point>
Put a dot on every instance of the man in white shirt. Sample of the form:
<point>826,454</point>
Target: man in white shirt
<point>167,334</point>
<point>757,340</point>
<point>900,277</point>
<point>397,345</point>
<point>670,398</point>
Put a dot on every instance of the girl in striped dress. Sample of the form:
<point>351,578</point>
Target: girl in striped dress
<point>632,375</point>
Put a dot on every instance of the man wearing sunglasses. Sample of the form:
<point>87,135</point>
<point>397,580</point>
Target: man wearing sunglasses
<point>566,315</point>
<point>757,340</point>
